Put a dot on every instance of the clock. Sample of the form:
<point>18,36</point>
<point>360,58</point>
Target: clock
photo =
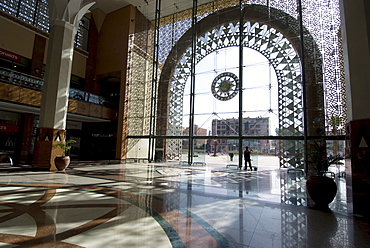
<point>225,86</point>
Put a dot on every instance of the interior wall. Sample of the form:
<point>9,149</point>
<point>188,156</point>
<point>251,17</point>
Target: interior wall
<point>355,19</point>
<point>16,41</point>
<point>367,14</point>
<point>79,64</point>
<point>113,38</point>
<point>38,56</point>
<point>111,60</point>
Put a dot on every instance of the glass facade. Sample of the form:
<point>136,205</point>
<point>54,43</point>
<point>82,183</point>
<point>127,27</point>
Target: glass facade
<point>261,73</point>
<point>215,81</point>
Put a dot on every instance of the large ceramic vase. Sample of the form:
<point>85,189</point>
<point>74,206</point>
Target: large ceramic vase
<point>62,162</point>
<point>322,191</point>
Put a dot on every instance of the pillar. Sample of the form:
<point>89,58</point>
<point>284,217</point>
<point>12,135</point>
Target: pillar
<point>356,58</point>
<point>355,16</point>
<point>64,21</point>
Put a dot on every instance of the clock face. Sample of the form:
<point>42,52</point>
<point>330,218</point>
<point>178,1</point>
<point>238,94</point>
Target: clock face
<point>225,86</point>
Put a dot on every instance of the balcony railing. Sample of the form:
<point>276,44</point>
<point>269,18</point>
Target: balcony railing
<point>30,82</point>
<point>20,79</point>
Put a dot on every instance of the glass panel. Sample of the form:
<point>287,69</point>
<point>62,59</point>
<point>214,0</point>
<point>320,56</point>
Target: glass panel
<point>27,10</point>
<point>200,152</point>
<point>271,81</point>
<point>267,156</point>
<point>260,95</point>
<point>253,146</point>
<point>291,154</point>
<point>336,148</point>
<point>9,6</point>
<point>42,16</point>
<point>184,152</point>
<point>199,158</point>
<point>82,35</point>
<point>225,126</point>
<point>178,116</point>
<point>233,155</point>
<point>216,101</point>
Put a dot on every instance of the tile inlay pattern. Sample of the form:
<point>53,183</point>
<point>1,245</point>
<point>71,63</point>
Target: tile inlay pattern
<point>163,205</point>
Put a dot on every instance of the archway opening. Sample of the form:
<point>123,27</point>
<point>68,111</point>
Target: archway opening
<point>216,111</point>
<point>260,89</point>
<point>234,120</point>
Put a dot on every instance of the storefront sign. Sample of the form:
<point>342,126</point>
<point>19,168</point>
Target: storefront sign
<point>8,128</point>
<point>74,125</point>
<point>102,135</point>
<point>10,55</point>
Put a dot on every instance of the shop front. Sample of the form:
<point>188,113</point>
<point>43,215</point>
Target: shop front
<point>9,127</point>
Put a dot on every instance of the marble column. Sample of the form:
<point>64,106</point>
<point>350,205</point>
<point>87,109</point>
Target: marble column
<point>64,21</point>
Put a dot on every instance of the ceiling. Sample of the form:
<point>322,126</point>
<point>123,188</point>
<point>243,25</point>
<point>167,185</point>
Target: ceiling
<point>111,5</point>
<point>147,7</point>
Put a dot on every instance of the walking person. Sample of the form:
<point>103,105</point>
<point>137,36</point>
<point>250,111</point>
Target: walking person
<point>231,156</point>
<point>247,158</point>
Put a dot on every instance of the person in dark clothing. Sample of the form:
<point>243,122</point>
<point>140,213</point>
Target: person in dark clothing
<point>247,158</point>
<point>231,156</point>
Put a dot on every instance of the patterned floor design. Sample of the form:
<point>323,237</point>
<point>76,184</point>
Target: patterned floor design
<point>141,205</point>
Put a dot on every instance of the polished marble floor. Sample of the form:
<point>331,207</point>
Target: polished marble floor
<point>167,205</point>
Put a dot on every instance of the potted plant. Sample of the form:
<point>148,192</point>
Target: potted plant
<point>61,162</point>
<point>321,189</point>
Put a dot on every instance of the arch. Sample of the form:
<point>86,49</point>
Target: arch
<point>269,31</point>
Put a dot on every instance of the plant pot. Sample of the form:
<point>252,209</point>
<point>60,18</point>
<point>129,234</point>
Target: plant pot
<point>62,162</point>
<point>322,190</point>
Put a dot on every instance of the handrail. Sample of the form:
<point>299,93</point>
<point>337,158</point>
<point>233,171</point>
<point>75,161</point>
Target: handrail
<point>20,79</point>
<point>27,81</point>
